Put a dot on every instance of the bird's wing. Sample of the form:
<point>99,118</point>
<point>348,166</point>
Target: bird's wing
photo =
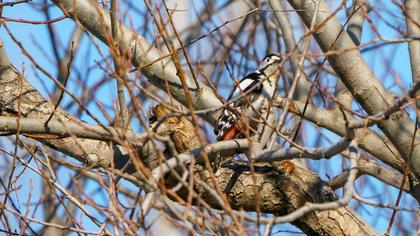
<point>243,93</point>
<point>245,89</point>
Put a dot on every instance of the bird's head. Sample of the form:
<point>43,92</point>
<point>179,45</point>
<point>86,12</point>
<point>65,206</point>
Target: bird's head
<point>269,64</point>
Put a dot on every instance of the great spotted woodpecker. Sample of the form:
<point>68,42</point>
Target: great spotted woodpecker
<point>246,99</point>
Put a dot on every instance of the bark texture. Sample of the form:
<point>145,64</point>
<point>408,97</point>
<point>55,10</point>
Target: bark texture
<point>412,12</point>
<point>278,188</point>
<point>18,98</point>
<point>348,63</point>
<point>159,68</point>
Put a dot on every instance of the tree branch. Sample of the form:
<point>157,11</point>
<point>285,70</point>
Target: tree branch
<point>412,12</point>
<point>37,128</point>
<point>357,76</point>
<point>158,68</point>
<point>368,167</point>
<point>333,120</point>
<point>282,187</point>
<point>19,98</point>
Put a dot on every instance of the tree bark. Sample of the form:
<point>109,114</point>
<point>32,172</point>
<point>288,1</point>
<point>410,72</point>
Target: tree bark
<point>158,68</point>
<point>278,189</point>
<point>353,71</point>
<point>412,12</point>
<point>20,99</point>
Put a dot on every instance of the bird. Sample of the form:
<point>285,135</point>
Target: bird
<point>246,99</point>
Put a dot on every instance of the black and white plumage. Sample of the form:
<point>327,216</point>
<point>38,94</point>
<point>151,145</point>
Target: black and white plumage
<point>246,99</point>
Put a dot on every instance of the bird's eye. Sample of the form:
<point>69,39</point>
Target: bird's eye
<point>268,59</point>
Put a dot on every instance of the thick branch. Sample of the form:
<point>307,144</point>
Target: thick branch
<point>18,98</point>
<point>159,70</point>
<point>279,190</point>
<point>412,12</point>
<point>357,76</point>
<point>333,120</point>
<point>56,129</point>
<point>368,167</point>
<point>283,191</point>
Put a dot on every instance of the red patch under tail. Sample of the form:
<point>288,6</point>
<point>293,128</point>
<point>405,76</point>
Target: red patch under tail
<point>230,133</point>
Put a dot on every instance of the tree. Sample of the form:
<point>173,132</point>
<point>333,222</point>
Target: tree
<point>101,163</point>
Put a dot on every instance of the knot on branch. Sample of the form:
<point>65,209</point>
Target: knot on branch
<point>178,128</point>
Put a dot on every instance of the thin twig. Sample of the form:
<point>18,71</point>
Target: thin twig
<point>64,85</point>
<point>11,4</point>
<point>34,22</point>
<point>406,170</point>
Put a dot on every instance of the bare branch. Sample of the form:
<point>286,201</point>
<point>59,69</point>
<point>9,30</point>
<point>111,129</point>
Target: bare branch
<point>291,48</point>
<point>33,105</point>
<point>368,167</point>
<point>348,188</point>
<point>36,128</point>
<point>15,2</point>
<point>150,60</point>
<point>358,77</point>
<point>332,120</point>
<point>357,14</point>
<point>119,71</point>
<point>296,153</point>
<point>381,205</point>
<point>412,12</point>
